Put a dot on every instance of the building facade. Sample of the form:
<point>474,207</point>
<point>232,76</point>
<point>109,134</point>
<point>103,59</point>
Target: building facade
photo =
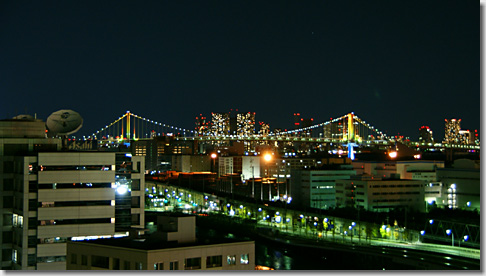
<point>380,195</point>
<point>316,188</point>
<point>414,169</point>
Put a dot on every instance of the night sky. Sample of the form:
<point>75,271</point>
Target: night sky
<point>397,64</point>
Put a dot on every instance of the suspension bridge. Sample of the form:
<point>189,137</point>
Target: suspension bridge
<point>349,130</point>
<point>348,127</point>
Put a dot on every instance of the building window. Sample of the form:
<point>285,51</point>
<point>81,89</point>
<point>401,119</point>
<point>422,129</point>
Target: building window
<point>138,266</point>
<point>174,265</point>
<point>192,263</point>
<point>84,260</point>
<point>7,237</point>
<point>116,264</point>
<point>32,260</point>
<point>244,259</point>
<point>14,255</point>
<point>231,259</point>
<point>159,266</point>
<point>214,261</point>
<point>6,255</point>
<point>135,184</point>
<point>135,202</point>
<point>51,259</point>
<point>74,259</point>
<point>126,265</point>
<point>18,220</point>
<point>100,261</point>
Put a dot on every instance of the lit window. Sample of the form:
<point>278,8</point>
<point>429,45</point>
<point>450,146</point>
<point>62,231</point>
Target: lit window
<point>244,259</point>
<point>231,259</point>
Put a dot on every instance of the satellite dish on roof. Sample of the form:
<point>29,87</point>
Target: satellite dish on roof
<point>64,122</point>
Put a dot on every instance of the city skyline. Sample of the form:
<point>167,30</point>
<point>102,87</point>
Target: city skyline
<point>388,63</point>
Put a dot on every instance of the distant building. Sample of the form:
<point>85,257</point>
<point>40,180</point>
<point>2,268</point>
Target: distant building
<point>300,123</point>
<point>202,125</point>
<point>335,129</point>
<point>316,187</point>
<point>191,163</point>
<point>425,135</point>
<point>159,151</point>
<point>455,135</point>
<point>380,195</point>
<point>264,129</point>
<point>239,123</point>
<point>245,124</point>
<point>247,166</point>
<point>220,124</point>
<point>173,247</point>
<point>461,185</point>
<point>452,128</point>
<point>415,169</point>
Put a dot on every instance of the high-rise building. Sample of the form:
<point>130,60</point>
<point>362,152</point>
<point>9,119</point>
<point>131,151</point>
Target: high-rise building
<point>335,129</point>
<point>245,124</point>
<point>220,124</point>
<point>50,196</point>
<point>264,129</point>
<point>300,123</point>
<point>455,135</point>
<point>240,124</point>
<point>452,128</point>
<point>202,125</point>
<point>425,135</point>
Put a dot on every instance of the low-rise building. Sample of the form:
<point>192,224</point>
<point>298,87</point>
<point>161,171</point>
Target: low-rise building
<point>172,247</point>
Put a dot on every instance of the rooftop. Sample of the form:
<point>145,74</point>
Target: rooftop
<point>152,242</point>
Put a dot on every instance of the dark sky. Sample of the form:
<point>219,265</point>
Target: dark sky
<point>397,64</point>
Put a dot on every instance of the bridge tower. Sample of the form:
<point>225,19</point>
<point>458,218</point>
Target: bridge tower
<point>128,125</point>
<point>351,136</point>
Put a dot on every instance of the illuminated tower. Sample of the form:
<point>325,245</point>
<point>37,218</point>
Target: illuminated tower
<point>452,131</point>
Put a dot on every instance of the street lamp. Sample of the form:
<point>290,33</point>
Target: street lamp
<point>449,232</point>
<point>267,157</point>
<point>213,156</point>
